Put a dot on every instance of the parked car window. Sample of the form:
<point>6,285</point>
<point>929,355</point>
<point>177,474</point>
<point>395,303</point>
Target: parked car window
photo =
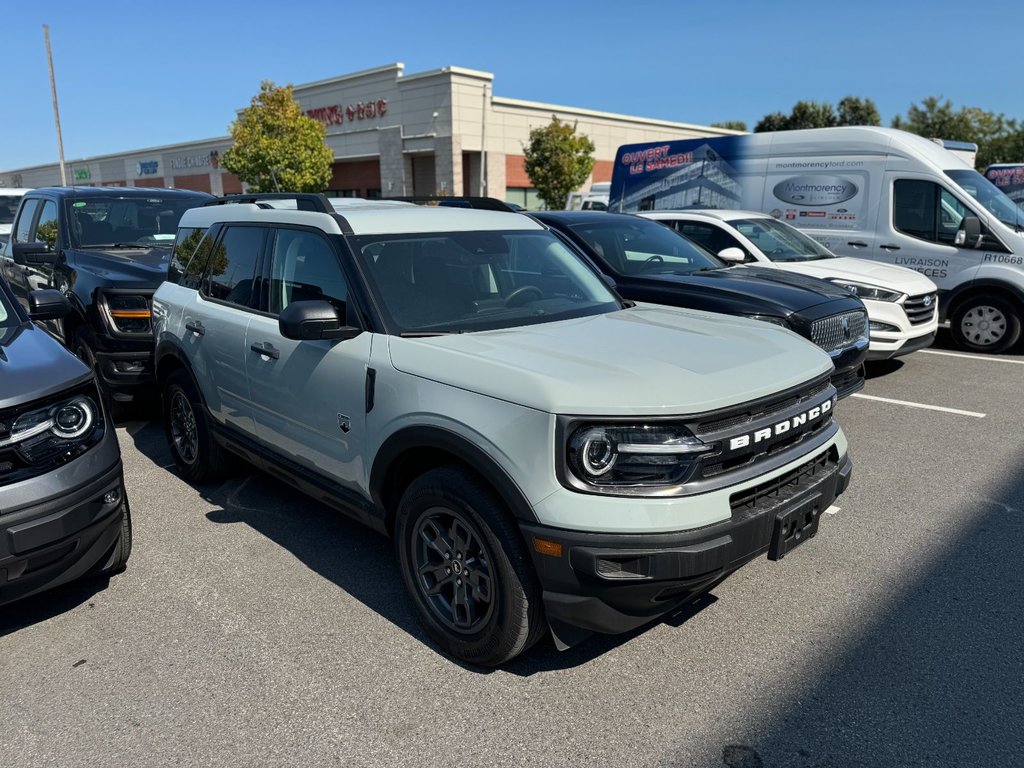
<point>926,210</point>
<point>714,238</point>
<point>304,268</point>
<point>187,263</point>
<point>24,226</point>
<point>8,208</point>
<point>47,229</point>
<point>779,241</point>
<point>632,247</point>
<point>231,265</point>
<point>144,221</point>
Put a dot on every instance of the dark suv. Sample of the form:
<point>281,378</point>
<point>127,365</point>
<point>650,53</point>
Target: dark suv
<point>106,249</point>
<point>63,508</point>
<point>652,263</point>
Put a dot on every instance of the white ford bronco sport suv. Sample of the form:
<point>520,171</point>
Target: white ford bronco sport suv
<point>544,454</point>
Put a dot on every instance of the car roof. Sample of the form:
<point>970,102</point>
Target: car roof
<point>576,217</point>
<point>718,214</point>
<point>84,192</point>
<point>370,220</point>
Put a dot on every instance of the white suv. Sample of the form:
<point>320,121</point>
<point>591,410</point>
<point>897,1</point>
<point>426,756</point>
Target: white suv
<point>544,454</point>
<point>902,305</point>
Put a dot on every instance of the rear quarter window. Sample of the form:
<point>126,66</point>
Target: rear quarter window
<point>187,263</point>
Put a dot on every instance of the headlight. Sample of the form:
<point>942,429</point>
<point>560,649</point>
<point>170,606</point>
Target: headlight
<point>640,455</point>
<point>128,313</point>
<point>872,292</point>
<point>770,319</point>
<point>56,433</point>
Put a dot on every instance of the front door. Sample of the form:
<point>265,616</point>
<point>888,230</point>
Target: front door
<point>308,397</point>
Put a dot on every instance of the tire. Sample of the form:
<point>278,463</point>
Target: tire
<point>199,457</point>
<point>118,559</point>
<point>986,323</point>
<point>500,613</point>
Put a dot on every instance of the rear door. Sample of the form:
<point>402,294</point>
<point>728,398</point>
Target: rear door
<point>308,397</point>
<point>215,319</point>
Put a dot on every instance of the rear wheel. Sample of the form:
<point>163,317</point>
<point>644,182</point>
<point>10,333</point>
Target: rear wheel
<point>199,457</point>
<point>466,569</point>
<point>986,323</point>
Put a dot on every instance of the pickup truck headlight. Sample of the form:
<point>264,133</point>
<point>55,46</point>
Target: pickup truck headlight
<point>57,433</point>
<point>865,291</point>
<point>128,313</point>
<point>771,319</point>
<point>642,455</point>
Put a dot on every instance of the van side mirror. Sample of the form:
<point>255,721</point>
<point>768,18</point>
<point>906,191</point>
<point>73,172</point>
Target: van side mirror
<point>48,304</point>
<point>312,320</point>
<point>969,235</point>
<point>733,255</point>
<point>32,253</point>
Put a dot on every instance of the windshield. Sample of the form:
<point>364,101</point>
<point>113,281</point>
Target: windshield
<point>112,221</point>
<point>8,207</point>
<point>990,196</point>
<point>781,242</point>
<point>454,282</point>
<point>633,246</point>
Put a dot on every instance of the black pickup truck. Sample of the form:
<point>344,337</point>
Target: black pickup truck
<point>107,250</point>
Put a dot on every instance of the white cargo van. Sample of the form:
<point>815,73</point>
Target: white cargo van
<point>874,193</point>
<point>595,199</point>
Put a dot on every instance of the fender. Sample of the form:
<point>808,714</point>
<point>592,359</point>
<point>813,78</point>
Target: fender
<point>444,440</point>
<point>951,298</point>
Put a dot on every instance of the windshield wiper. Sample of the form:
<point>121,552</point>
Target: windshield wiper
<point>426,334</point>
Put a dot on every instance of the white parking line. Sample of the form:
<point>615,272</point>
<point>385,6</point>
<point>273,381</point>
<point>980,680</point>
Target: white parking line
<point>925,406</point>
<point>832,510</point>
<point>973,357</point>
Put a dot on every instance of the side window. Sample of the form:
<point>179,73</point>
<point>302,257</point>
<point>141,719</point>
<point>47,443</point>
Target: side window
<point>913,208</point>
<point>46,227</point>
<point>951,213</point>
<point>187,263</point>
<point>24,225</point>
<point>231,266</point>
<point>304,268</point>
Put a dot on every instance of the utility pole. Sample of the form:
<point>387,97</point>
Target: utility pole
<point>56,112</point>
<point>483,146</point>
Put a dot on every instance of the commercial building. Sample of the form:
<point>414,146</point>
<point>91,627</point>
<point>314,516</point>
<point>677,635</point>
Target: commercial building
<point>438,132</point>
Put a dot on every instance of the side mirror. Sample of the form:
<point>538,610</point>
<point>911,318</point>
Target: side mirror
<point>48,304</point>
<point>733,255</point>
<point>969,234</point>
<point>312,320</point>
<point>32,253</point>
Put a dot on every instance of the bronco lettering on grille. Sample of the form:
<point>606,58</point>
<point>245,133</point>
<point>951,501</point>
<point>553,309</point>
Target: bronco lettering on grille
<point>793,422</point>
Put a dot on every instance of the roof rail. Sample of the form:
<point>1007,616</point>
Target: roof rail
<point>457,201</point>
<point>304,201</point>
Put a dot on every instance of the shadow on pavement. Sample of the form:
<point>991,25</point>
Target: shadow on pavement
<point>46,605</point>
<point>936,680</point>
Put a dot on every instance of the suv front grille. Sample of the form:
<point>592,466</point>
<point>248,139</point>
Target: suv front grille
<point>839,331</point>
<point>921,309</point>
<point>760,410</point>
<point>766,496</point>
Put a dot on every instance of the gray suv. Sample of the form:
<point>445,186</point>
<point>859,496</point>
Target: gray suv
<point>544,454</point>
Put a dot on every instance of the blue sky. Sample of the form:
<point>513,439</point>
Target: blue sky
<point>140,74</point>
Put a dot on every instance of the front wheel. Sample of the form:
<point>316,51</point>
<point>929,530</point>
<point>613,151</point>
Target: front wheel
<point>986,323</point>
<point>118,559</point>
<point>198,455</point>
<point>466,569</point>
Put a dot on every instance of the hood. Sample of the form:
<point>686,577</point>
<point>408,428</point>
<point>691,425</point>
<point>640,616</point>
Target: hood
<point>863,271</point>
<point>144,266</point>
<point>33,365</point>
<point>647,360</point>
<point>767,290</point>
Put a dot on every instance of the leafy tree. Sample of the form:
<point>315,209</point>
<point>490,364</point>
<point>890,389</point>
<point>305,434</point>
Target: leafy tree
<point>812,114</point>
<point>558,160</point>
<point>854,110</point>
<point>936,119</point>
<point>775,121</point>
<point>277,147</point>
<point>731,125</point>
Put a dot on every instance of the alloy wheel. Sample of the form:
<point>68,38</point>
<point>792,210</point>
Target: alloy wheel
<point>183,428</point>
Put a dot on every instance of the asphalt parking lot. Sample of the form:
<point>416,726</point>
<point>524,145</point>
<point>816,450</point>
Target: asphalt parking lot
<point>256,627</point>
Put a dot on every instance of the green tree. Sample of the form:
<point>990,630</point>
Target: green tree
<point>775,121</point>
<point>731,125</point>
<point>812,114</point>
<point>936,119</point>
<point>558,160</point>
<point>853,110</point>
<point>277,147</point>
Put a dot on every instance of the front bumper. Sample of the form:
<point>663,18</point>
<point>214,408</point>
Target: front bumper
<point>614,582</point>
<point>57,527</point>
<point>886,350</point>
<point>126,376</point>
<point>902,336</point>
<point>849,374</point>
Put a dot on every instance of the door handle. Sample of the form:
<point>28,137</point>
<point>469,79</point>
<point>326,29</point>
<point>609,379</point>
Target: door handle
<point>858,244</point>
<point>889,247</point>
<point>196,328</point>
<point>266,349</point>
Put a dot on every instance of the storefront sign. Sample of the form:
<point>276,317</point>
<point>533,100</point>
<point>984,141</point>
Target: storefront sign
<point>82,174</point>
<point>147,167</point>
<point>336,114</point>
<point>191,161</point>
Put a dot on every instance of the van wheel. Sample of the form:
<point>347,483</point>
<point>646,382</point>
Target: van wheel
<point>199,457</point>
<point>986,323</point>
<point>466,569</point>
